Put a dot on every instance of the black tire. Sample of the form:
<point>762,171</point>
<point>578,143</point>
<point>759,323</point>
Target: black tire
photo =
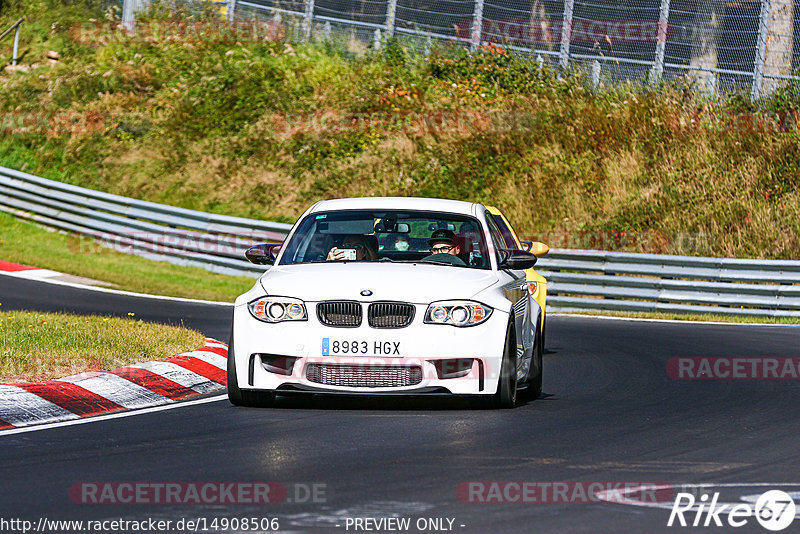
<point>534,388</point>
<point>236,396</point>
<point>506,395</point>
<point>234,393</point>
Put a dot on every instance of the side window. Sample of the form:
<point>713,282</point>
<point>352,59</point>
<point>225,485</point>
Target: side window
<point>497,237</point>
<point>506,231</point>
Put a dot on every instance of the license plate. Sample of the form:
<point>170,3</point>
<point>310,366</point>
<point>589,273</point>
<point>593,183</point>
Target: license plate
<point>355,347</point>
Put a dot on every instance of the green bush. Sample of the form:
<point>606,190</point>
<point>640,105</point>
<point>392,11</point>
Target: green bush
<point>260,127</point>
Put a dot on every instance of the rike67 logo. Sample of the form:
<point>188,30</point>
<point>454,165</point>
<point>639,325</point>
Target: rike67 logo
<point>774,510</point>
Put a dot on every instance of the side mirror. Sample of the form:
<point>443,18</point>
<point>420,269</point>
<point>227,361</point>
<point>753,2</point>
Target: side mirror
<point>516,259</point>
<point>264,254</point>
<point>538,249</point>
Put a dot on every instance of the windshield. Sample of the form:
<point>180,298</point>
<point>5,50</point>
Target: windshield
<point>409,236</point>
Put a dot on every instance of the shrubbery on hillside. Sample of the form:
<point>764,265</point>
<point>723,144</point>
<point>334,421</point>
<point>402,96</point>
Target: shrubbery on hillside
<point>259,127</point>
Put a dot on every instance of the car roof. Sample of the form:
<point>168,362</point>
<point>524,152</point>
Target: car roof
<point>397,203</point>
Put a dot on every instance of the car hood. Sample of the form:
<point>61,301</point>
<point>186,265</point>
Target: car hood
<point>417,283</point>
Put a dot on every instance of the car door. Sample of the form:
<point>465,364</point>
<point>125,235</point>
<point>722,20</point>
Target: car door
<point>516,290</point>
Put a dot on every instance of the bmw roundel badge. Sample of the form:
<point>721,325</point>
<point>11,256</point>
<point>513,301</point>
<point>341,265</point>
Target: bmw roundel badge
<point>366,293</point>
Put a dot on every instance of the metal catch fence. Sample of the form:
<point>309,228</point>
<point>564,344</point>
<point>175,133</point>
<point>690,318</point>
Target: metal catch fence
<point>717,46</point>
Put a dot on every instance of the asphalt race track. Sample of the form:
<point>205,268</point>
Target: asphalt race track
<point>16,293</point>
<point>610,413</point>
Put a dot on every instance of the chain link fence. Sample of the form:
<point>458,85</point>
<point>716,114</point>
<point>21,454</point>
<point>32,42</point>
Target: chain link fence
<point>715,45</point>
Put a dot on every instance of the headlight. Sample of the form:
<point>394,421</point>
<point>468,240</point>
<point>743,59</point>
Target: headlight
<point>278,309</point>
<point>457,313</point>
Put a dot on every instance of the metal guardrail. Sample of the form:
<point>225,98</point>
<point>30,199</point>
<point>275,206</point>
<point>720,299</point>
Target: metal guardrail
<point>586,280</point>
<point>157,231</point>
<point>577,279</point>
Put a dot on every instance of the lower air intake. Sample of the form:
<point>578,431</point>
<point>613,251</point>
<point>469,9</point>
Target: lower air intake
<point>364,376</point>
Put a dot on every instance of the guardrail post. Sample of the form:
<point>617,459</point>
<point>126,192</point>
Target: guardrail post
<point>390,15</point>
<point>308,20</point>
<point>477,25</point>
<point>761,50</point>
<point>326,30</point>
<point>566,32</point>
<point>661,44</point>
<point>231,11</point>
<point>16,46</point>
<point>377,40</point>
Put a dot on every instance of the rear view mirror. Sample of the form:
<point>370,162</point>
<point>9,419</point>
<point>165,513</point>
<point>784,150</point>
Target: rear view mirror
<point>264,254</point>
<point>516,259</point>
<point>390,227</point>
<point>538,249</point>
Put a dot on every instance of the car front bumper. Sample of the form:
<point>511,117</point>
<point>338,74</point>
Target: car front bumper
<point>298,356</point>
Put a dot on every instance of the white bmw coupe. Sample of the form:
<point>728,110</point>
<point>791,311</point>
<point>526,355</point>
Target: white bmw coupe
<point>388,296</point>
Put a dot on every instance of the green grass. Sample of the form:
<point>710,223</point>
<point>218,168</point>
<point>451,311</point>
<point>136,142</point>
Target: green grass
<point>233,128</point>
<point>706,317</point>
<point>23,242</point>
<point>40,346</point>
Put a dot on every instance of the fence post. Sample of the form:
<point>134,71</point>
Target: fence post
<point>566,32</point>
<point>377,40</point>
<point>16,46</point>
<point>326,30</point>
<point>711,84</point>
<point>308,20</point>
<point>128,15</point>
<point>390,14</point>
<point>231,11</point>
<point>761,50</point>
<point>661,44</point>
<point>477,25</point>
<point>595,74</point>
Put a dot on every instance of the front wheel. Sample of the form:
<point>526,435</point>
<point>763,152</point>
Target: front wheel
<point>506,395</point>
<point>534,389</point>
<point>239,397</point>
